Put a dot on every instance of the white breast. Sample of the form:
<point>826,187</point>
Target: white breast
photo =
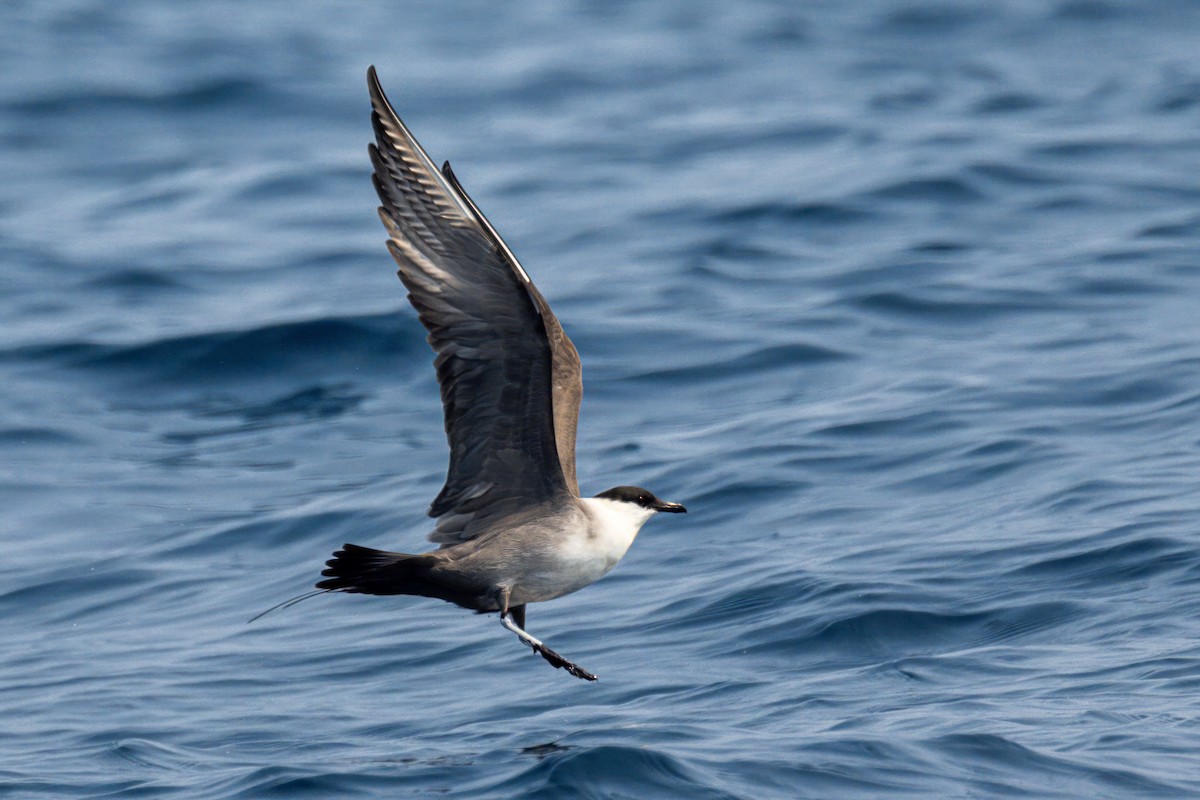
<point>581,554</point>
<point>614,526</point>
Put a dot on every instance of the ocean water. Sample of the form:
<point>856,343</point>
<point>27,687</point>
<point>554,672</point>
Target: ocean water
<point>900,297</point>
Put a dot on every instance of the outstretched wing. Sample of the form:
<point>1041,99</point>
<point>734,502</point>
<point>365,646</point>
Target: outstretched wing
<point>509,376</point>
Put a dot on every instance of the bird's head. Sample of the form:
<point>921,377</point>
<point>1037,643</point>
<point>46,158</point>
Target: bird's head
<point>643,498</point>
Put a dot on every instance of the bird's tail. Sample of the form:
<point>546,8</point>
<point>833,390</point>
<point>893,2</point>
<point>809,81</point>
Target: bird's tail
<point>367,571</point>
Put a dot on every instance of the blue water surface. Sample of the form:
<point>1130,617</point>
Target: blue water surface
<point>900,297</point>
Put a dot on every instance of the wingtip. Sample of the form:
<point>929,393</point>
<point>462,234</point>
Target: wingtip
<point>374,88</point>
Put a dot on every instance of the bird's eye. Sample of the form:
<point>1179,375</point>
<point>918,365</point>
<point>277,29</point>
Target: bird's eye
<point>643,499</point>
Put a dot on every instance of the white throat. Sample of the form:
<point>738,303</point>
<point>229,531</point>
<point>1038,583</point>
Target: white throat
<point>614,524</point>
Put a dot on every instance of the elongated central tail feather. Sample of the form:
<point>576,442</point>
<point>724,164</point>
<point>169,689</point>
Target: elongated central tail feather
<point>368,571</point>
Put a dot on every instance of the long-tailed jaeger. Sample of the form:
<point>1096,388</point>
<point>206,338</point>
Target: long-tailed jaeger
<point>512,527</point>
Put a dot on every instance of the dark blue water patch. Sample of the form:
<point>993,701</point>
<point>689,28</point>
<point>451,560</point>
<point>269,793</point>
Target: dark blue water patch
<point>1181,96</point>
<point>788,137</point>
<point>1016,174</point>
<point>1073,204</point>
<point>205,96</point>
<point>957,306</point>
<point>38,437</point>
<point>281,532</point>
<point>318,402</point>
<point>940,190</point>
<point>736,251</point>
<point>546,90</point>
<point>1188,228</point>
<point>1113,564</point>
<point>815,214</point>
<point>941,247</point>
<point>1086,149</point>
<point>728,492</point>
<point>994,760</point>
<point>1087,11</point>
<point>867,636</point>
<point>977,465</point>
<point>900,100</point>
<point>932,19</point>
<point>854,283</point>
<point>63,786</point>
<point>305,405</point>
<point>606,771</point>
<point>50,589</point>
<point>727,267</point>
<point>786,29</point>
<point>303,783</point>
<point>1139,254</point>
<point>140,281</point>
<point>1116,287</point>
<point>1008,103</point>
<point>916,424</point>
<point>359,345</point>
<point>1087,494</point>
<point>772,358</point>
<point>1108,390</point>
<point>281,186</point>
<point>146,199</point>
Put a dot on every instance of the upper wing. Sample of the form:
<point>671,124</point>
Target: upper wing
<point>510,378</point>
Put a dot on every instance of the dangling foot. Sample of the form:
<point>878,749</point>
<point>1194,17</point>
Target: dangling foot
<point>553,658</point>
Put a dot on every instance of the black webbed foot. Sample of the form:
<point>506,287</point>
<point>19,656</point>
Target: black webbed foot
<point>558,662</point>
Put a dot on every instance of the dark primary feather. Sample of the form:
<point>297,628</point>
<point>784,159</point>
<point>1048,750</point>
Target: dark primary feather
<point>509,376</point>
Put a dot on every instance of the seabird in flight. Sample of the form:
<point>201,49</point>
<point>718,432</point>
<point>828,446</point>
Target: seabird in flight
<point>512,527</point>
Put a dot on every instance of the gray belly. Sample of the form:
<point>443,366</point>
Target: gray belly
<point>535,563</point>
<point>572,565</point>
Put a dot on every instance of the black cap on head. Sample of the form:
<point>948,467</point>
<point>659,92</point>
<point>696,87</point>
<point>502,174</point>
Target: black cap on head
<point>641,497</point>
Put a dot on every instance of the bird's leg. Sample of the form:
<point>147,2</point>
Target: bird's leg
<point>514,625</point>
<point>545,652</point>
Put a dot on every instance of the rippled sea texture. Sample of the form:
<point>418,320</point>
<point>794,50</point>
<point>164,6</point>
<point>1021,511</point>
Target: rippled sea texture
<point>901,298</point>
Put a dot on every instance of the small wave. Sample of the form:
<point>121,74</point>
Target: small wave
<point>1014,174</point>
<point>1117,288</point>
<point>1181,95</point>
<point>608,771</point>
<point>761,599</point>
<point>868,636</point>
<point>294,782</point>
<point>978,464</point>
<point>37,437</point>
<point>1086,11</point>
<point>961,310</point>
<point>330,345</point>
<point>283,531</point>
<point>313,403</point>
<point>992,757</point>
<point>929,190</point>
<point>817,214</point>
<point>1188,228</point>
<point>1088,149</point>
<point>205,95</point>
<point>1109,564</point>
<point>96,589</point>
<point>774,357</point>
<point>148,753</point>
<point>1008,103</point>
<point>941,247</point>
<point>140,280</point>
<point>933,19</point>
<point>920,423</point>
